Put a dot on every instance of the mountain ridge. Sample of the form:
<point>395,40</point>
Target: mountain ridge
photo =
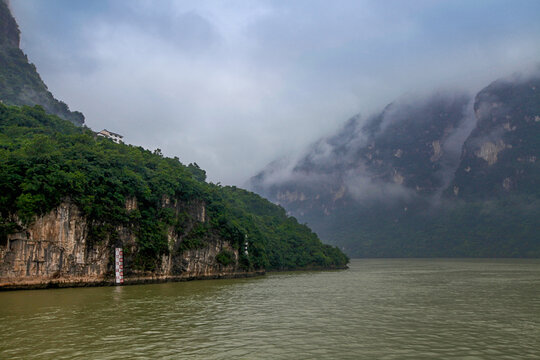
<point>20,83</point>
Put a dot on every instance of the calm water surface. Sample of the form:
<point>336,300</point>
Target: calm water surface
<point>378,309</point>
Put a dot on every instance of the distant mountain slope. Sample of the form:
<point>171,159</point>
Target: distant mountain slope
<point>407,150</point>
<point>449,175</point>
<point>502,155</point>
<point>20,83</point>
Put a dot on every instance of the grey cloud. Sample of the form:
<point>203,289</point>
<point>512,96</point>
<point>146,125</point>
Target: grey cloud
<point>235,85</point>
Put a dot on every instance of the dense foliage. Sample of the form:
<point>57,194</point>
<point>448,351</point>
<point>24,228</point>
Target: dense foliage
<point>45,160</point>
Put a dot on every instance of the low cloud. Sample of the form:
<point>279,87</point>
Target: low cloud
<point>233,86</point>
<point>364,188</point>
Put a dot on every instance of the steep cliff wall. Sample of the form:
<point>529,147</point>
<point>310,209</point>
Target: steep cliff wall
<point>9,31</point>
<point>500,156</point>
<point>55,251</point>
<point>20,83</point>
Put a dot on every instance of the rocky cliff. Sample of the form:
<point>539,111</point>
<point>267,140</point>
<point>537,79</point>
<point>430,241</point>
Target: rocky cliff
<point>500,157</point>
<point>20,83</point>
<point>55,251</point>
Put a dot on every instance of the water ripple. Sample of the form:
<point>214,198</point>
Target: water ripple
<point>379,309</point>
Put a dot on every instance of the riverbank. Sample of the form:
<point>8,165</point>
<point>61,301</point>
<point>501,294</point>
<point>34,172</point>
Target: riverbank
<point>82,281</point>
<point>47,283</point>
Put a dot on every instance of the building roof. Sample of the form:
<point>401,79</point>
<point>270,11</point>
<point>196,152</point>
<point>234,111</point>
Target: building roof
<point>109,133</point>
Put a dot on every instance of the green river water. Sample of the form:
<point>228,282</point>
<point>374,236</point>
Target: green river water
<point>377,309</point>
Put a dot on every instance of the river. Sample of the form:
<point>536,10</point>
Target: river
<point>377,309</point>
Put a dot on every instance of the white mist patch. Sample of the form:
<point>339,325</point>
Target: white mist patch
<point>362,187</point>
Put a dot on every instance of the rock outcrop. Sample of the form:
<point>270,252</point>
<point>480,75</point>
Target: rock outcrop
<point>55,251</point>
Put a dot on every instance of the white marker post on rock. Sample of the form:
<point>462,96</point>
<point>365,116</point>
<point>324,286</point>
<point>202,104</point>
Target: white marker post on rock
<point>119,265</point>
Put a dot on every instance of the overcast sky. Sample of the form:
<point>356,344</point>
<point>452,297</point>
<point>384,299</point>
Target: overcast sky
<point>233,85</point>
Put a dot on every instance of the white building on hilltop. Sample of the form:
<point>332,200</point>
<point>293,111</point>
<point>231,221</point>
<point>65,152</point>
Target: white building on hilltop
<point>117,138</point>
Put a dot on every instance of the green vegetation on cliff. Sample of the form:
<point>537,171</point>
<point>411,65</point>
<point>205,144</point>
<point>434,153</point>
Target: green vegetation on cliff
<point>45,160</point>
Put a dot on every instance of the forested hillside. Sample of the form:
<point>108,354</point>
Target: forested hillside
<point>45,161</point>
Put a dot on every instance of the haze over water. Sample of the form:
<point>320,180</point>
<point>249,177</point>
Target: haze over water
<point>378,309</point>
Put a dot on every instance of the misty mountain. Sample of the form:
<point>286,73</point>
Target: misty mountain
<point>408,149</point>
<point>20,83</point>
<point>445,175</point>
<point>500,156</point>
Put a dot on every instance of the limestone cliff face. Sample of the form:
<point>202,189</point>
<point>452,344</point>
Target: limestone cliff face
<point>500,154</point>
<point>55,251</point>
<point>53,247</point>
